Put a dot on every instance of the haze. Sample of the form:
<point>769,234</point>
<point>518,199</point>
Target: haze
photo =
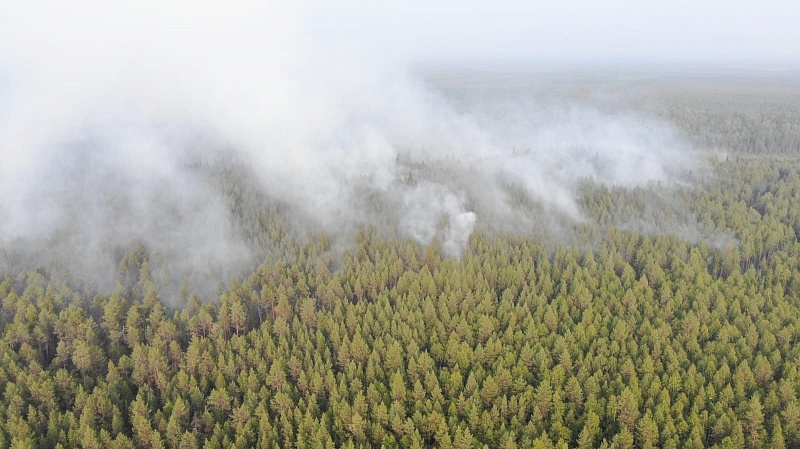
<point>540,33</point>
<point>104,107</point>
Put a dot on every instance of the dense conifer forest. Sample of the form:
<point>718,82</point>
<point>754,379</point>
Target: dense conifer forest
<point>663,320</point>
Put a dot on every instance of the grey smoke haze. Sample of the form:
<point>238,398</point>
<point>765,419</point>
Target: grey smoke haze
<point>102,107</point>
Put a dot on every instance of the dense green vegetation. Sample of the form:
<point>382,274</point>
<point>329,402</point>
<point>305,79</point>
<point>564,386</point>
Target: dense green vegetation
<point>663,335</point>
<point>628,339</point>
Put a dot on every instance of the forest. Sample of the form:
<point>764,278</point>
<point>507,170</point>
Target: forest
<point>664,320</point>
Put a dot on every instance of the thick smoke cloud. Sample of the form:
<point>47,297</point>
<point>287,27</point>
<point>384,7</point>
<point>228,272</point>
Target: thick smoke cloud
<point>103,107</point>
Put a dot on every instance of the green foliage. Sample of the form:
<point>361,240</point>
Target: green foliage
<point>623,339</point>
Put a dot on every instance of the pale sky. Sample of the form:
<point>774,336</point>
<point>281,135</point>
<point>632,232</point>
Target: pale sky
<point>571,30</point>
<point>649,31</point>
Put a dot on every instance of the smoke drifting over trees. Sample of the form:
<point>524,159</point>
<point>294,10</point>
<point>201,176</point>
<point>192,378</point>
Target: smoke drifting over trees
<point>107,112</point>
<point>247,224</point>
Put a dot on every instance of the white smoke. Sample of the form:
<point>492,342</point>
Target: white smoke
<point>100,103</point>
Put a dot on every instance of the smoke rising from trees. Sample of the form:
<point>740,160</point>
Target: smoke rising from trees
<point>105,108</point>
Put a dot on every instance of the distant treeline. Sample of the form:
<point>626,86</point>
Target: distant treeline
<point>755,113</point>
<point>740,119</point>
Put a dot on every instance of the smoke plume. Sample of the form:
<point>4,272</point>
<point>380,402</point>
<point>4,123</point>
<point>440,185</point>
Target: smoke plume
<point>105,106</point>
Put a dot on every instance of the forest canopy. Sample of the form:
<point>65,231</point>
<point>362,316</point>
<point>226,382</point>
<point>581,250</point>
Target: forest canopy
<point>663,320</point>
